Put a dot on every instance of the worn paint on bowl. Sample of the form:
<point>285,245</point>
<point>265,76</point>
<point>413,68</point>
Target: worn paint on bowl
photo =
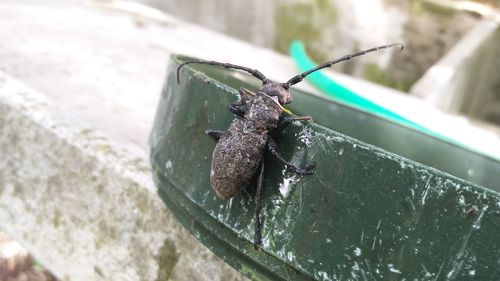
<point>366,213</point>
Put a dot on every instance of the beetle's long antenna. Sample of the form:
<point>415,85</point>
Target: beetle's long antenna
<point>254,72</point>
<point>296,79</point>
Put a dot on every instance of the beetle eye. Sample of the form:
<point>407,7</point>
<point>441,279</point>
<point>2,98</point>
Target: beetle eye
<point>286,98</point>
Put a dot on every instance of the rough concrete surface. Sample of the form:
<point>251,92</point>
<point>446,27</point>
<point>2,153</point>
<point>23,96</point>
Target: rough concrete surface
<point>106,66</point>
<point>86,207</point>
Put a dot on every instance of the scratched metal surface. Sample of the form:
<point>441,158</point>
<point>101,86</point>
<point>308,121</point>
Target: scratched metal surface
<point>366,214</point>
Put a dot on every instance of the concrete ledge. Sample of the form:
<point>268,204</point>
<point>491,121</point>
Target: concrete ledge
<point>86,206</point>
<point>462,77</point>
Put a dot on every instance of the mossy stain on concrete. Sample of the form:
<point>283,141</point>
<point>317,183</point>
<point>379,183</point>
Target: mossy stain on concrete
<point>167,259</point>
<point>142,202</point>
<point>305,21</point>
<point>375,73</point>
<point>18,191</point>
<point>428,7</point>
<point>57,218</point>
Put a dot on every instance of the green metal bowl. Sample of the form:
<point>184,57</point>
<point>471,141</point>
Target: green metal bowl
<point>366,214</point>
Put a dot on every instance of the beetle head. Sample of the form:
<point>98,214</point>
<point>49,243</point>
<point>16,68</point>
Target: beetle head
<point>277,90</point>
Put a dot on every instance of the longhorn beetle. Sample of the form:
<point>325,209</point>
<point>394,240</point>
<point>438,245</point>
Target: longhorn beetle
<point>239,151</point>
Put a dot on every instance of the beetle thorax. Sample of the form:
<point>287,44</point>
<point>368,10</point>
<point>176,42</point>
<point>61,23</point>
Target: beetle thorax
<point>277,90</point>
<point>264,110</point>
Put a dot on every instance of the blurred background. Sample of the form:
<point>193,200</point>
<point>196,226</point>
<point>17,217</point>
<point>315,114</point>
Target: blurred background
<point>333,28</point>
<point>451,60</point>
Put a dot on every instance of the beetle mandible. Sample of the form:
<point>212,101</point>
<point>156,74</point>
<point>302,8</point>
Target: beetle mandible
<point>238,154</point>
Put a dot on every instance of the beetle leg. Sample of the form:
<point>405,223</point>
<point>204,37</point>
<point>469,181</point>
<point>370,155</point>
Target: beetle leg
<point>236,110</point>
<point>290,166</point>
<point>216,134</point>
<point>285,121</point>
<point>257,242</point>
<point>245,96</point>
